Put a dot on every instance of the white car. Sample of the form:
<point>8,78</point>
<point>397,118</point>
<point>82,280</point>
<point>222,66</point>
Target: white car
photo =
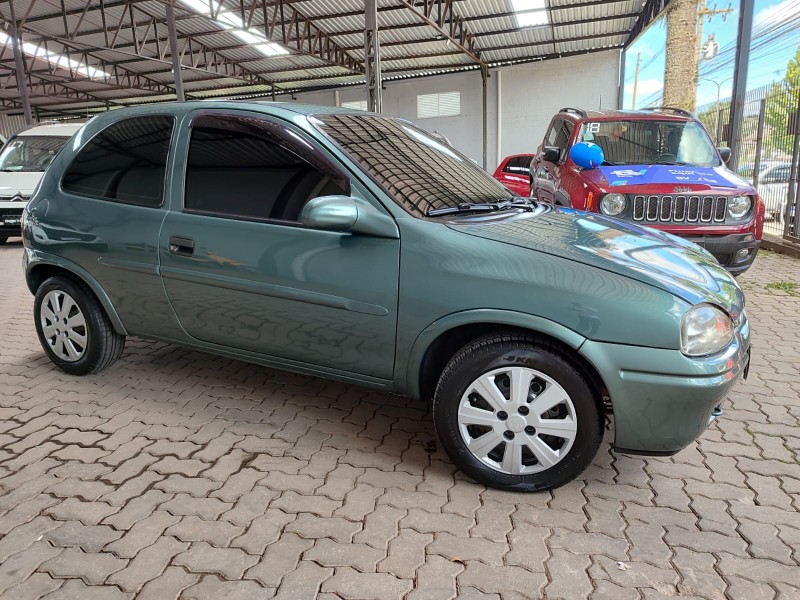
<point>773,188</point>
<point>23,161</point>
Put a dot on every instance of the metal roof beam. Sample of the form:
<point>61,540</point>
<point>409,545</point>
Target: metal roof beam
<point>651,10</point>
<point>445,16</point>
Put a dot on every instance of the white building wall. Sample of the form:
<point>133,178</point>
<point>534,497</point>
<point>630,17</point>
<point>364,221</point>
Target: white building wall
<point>530,95</point>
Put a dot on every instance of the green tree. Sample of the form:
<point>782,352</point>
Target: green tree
<point>782,101</point>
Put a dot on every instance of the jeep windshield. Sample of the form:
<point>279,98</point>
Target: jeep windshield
<point>424,174</point>
<point>30,153</point>
<point>651,142</point>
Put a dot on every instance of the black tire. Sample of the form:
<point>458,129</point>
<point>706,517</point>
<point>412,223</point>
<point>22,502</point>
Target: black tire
<point>103,345</point>
<point>3,240</point>
<point>490,353</point>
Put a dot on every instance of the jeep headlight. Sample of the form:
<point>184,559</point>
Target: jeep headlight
<point>705,329</point>
<point>612,204</point>
<point>739,206</point>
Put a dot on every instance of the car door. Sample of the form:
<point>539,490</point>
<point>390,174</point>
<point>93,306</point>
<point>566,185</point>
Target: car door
<point>109,212</point>
<point>240,270</point>
<point>515,174</point>
<point>561,174</point>
<point>543,171</point>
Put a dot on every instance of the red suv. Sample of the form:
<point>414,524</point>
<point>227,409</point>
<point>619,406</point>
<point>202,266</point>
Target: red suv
<point>661,170</point>
<point>515,173</point>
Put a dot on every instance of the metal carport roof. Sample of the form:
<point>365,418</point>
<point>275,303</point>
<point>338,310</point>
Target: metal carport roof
<point>117,52</point>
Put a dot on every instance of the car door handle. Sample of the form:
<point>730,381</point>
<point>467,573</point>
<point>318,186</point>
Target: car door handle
<point>181,245</point>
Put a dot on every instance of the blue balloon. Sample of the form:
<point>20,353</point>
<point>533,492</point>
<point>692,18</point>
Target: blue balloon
<point>587,155</point>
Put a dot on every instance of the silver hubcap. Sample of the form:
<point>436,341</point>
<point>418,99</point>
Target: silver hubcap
<point>63,326</point>
<point>517,420</point>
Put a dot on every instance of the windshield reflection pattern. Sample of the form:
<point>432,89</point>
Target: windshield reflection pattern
<point>30,153</point>
<point>644,142</point>
<point>420,171</point>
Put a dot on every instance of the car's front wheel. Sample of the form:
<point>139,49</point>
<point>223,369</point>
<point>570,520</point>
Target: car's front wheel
<point>514,413</point>
<point>73,328</point>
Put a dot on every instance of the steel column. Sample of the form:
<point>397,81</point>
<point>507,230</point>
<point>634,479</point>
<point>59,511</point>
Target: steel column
<point>484,78</point>
<point>19,66</point>
<point>740,79</point>
<point>762,111</point>
<point>372,57</point>
<point>176,55</point>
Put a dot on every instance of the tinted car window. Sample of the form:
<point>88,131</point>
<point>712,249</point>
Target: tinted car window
<point>563,136</point>
<point>240,169</point>
<point>519,165</point>
<point>30,153</point>
<point>418,170</point>
<point>125,162</point>
<point>780,175</point>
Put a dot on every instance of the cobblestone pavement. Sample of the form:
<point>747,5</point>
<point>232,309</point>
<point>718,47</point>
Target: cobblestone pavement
<point>178,474</point>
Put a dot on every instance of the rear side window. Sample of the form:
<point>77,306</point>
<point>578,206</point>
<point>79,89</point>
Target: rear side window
<point>126,162</point>
<point>519,165</point>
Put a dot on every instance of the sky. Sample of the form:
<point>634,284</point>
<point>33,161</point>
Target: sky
<point>776,37</point>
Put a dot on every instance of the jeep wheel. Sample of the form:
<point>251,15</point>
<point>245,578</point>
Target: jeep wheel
<point>515,414</point>
<point>73,328</point>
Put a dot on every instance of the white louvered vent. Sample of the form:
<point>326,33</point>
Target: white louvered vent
<point>356,104</point>
<point>447,104</point>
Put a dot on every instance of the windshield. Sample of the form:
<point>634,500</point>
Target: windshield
<point>421,172</point>
<point>30,153</point>
<point>640,142</point>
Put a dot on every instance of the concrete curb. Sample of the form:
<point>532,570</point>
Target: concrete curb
<point>780,245</point>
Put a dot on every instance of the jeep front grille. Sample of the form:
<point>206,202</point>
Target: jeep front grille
<point>680,209</point>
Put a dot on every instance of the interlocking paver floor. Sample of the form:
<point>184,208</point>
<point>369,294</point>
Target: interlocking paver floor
<point>176,474</point>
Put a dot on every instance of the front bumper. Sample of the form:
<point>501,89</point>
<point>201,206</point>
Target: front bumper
<point>725,249</point>
<point>663,400</point>
<point>10,219</point>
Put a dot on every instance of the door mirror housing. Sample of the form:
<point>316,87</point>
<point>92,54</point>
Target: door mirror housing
<point>346,214</point>
<point>551,154</point>
<point>724,154</point>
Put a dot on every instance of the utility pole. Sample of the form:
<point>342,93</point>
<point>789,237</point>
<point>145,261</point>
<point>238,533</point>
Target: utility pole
<point>704,11</point>
<point>636,80</point>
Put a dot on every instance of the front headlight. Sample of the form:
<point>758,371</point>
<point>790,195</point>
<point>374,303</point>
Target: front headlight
<point>739,206</point>
<point>612,204</point>
<point>705,329</point>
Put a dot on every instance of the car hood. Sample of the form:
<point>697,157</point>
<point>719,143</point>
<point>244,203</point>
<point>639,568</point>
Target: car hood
<point>632,178</point>
<point>22,183</point>
<point>653,257</point>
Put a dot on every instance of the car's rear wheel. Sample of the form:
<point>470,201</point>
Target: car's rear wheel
<point>513,413</point>
<point>73,328</point>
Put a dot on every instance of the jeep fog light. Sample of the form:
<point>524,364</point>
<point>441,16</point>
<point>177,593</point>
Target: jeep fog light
<point>705,329</point>
<point>612,204</point>
<point>739,206</point>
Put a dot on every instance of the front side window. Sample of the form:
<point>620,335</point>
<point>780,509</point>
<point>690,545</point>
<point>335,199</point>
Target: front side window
<point>650,142</point>
<point>418,170</point>
<point>563,136</point>
<point>250,169</point>
<point>126,162</point>
<point>30,153</point>
<point>519,165</point>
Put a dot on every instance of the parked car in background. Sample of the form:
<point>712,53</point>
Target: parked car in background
<point>514,172</point>
<point>661,170</point>
<point>23,161</point>
<point>357,247</point>
<point>773,186</point>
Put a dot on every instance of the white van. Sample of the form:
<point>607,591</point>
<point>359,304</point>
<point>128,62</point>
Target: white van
<point>23,161</point>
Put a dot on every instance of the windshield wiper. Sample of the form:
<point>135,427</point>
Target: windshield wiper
<point>482,207</point>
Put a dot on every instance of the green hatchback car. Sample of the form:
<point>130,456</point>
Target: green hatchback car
<point>361,248</point>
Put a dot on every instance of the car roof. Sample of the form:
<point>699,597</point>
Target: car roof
<point>52,129</point>
<point>628,115</point>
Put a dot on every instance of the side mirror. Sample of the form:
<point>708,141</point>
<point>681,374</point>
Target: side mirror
<point>346,214</point>
<point>551,154</point>
<point>724,154</point>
